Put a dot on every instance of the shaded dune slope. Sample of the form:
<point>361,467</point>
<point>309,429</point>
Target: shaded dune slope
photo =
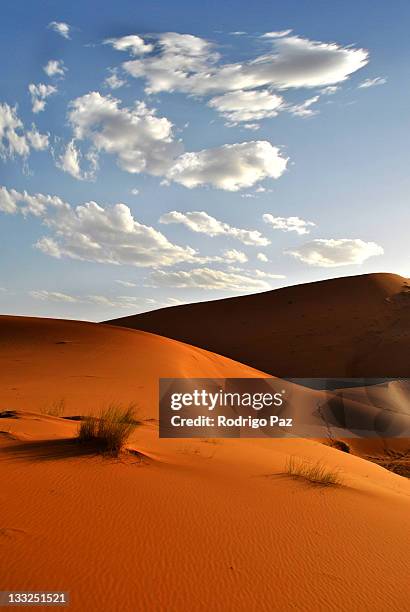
<point>355,326</point>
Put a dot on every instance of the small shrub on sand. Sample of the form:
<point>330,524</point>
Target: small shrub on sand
<point>316,473</point>
<point>55,408</point>
<point>111,430</point>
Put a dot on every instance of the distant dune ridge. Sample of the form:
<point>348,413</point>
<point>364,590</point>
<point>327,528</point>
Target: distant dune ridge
<point>356,326</point>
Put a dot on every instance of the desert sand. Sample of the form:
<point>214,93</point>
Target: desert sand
<point>354,326</point>
<point>177,524</point>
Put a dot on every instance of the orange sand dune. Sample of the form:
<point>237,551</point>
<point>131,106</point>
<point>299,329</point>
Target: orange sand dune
<point>45,363</point>
<point>68,368</point>
<point>177,524</point>
<point>198,525</point>
<point>346,327</point>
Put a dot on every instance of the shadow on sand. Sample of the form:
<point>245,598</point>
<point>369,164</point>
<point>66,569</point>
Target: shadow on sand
<point>48,450</point>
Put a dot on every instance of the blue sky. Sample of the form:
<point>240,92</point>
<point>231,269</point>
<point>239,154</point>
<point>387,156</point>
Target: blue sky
<point>156,153</point>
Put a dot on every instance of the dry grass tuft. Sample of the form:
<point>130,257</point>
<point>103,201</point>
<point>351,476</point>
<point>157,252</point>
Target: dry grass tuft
<point>111,430</point>
<point>317,473</point>
<point>55,408</point>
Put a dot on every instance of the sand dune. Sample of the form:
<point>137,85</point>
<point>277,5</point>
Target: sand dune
<point>48,362</point>
<point>60,367</point>
<point>178,524</point>
<point>346,327</point>
<point>199,525</point>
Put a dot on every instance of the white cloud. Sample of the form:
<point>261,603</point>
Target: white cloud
<point>177,59</point>
<point>262,257</point>
<point>94,233</point>
<point>125,283</point>
<point>141,141</point>
<point>12,201</point>
<point>114,81</point>
<point>135,191</point>
<point>52,296</point>
<point>61,28</point>
<point>206,278</point>
<point>7,201</point>
<point>14,138</point>
<point>190,64</point>
<point>304,108</point>
<point>336,252</point>
<point>262,274</point>
<point>372,82</point>
<point>122,301</point>
<point>55,68</point>
<point>38,94</point>
<point>144,142</point>
<point>229,167</point>
<point>134,44</point>
<point>237,106</point>
<point>330,90</point>
<point>279,34</point>
<point>70,161</point>
<point>234,255</point>
<point>202,223</point>
<point>289,224</point>
<point>110,235</point>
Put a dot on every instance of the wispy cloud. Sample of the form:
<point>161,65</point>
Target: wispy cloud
<point>61,28</point>
<point>372,82</point>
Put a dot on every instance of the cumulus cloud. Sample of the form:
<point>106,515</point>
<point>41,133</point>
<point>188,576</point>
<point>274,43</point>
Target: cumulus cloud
<point>202,223</point>
<point>7,201</point>
<point>134,44</point>
<point>262,257</point>
<point>331,253</point>
<point>141,141</point>
<point>289,224</point>
<point>190,64</point>
<point>12,201</point>
<point>144,142</point>
<point>235,256</point>
<point>177,58</point>
<point>14,138</point>
<point>207,278</point>
<point>110,235</point>
<point>229,167</point>
<point>372,82</point>
<point>70,161</point>
<point>238,106</point>
<point>38,94</point>
<point>55,68</point>
<point>61,28</point>
<point>94,233</point>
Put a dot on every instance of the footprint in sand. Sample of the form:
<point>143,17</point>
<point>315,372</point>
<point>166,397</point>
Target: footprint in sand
<point>11,533</point>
